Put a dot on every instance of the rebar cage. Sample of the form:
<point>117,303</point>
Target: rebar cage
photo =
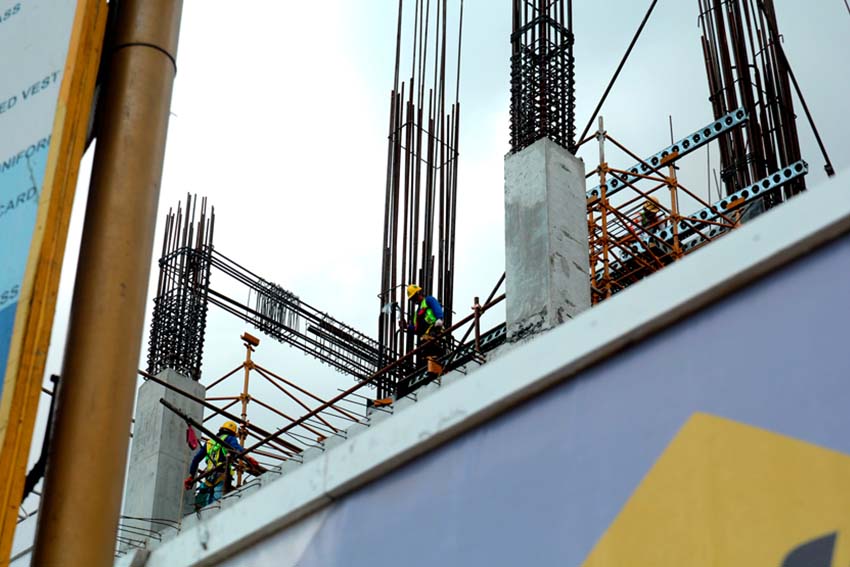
<point>180,306</point>
<point>542,74</point>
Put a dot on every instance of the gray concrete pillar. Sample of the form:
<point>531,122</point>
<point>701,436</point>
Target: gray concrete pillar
<point>159,456</point>
<point>546,246</point>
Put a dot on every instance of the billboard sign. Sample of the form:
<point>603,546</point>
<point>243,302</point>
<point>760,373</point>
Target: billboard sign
<point>36,34</point>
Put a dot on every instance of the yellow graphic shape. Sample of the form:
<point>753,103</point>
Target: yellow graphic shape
<point>728,494</point>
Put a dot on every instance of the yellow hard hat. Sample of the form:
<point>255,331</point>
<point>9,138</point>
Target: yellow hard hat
<point>652,205</point>
<point>229,426</point>
<point>412,290</point>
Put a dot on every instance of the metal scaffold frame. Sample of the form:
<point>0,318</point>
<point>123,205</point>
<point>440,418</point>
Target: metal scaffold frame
<point>308,434</point>
<point>324,418</point>
<point>643,229</point>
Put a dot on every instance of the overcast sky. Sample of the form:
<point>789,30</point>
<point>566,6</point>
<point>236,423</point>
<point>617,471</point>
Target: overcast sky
<point>279,118</point>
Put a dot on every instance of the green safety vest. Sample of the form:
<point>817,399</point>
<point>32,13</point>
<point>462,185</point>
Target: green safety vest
<point>430,318</point>
<point>216,452</point>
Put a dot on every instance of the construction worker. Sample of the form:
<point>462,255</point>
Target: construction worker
<point>428,318</point>
<point>651,221</point>
<point>427,323</point>
<point>653,224</point>
<point>649,213</point>
<point>215,451</point>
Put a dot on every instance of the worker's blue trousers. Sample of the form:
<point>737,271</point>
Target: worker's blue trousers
<point>209,494</point>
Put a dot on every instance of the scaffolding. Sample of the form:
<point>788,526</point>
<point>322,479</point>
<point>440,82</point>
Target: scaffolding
<point>310,433</point>
<point>636,223</point>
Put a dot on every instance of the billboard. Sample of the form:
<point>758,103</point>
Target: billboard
<point>36,34</point>
<point>51,53</point>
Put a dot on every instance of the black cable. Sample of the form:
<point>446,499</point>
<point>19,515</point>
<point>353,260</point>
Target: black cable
<point>37,472</point>
<point>121,46</point>
<point>619,68</point>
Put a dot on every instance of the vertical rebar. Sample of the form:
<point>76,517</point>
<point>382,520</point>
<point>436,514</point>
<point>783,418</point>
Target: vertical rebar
<point>745,62</point>
<point>420,204</point>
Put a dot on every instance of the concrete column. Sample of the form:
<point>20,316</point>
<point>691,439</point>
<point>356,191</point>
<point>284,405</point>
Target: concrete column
<point>159,456</point>
<point>546,247</point>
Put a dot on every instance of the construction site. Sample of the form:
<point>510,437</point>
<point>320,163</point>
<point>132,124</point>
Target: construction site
<point>646,368</point>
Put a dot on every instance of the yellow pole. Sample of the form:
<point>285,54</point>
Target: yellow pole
<point>245,398</point>
<point>85,474</point>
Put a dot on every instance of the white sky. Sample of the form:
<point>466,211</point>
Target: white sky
<point>279,118</point>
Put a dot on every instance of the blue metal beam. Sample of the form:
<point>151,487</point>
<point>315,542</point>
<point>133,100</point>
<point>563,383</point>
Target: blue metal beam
<point>678,150</point>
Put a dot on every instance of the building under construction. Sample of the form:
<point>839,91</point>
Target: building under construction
<point>652,396</point>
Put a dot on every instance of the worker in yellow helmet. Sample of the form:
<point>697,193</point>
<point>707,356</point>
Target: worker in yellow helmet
<point>427,323</point>
<point>215,451</point>
<point>428,317</point>
<point>649,213</point>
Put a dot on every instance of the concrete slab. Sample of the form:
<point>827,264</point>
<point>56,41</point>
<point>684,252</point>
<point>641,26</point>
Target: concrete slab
<point>311,453</point>
<point>379,415</point>
<point>403,403</point>
<point>332,441</point>
<point>356,428</point>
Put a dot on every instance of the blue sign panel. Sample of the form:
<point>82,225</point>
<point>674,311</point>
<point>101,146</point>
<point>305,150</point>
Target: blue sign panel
<point>34,37</point>
<point>21,176</point>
